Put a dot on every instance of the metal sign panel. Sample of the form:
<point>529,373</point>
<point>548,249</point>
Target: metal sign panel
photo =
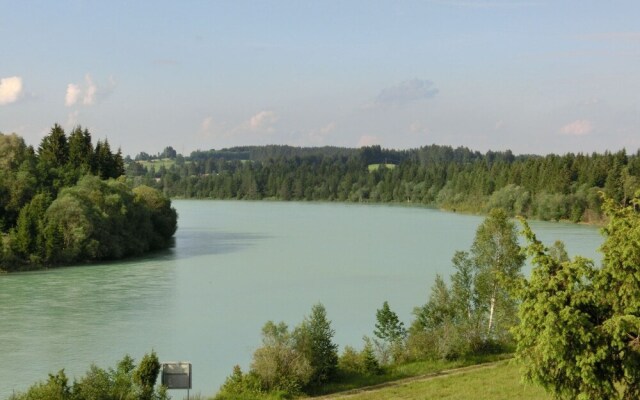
<point>176,375</point>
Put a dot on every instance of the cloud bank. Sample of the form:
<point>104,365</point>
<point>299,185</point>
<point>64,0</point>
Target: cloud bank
<point>10,89</point>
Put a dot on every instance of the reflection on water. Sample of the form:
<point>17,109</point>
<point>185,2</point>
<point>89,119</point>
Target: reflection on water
<point>201,242</point>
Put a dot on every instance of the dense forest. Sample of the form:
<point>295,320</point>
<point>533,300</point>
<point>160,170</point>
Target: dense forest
<point>551,187</point>
<point>68,202</point>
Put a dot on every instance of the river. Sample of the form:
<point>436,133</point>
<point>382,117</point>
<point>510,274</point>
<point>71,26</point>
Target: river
<point>236,265</point>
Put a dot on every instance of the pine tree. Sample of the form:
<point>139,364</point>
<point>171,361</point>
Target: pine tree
<point>314,340</point>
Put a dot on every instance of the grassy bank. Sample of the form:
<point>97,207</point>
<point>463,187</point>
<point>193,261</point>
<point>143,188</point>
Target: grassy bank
<point>500,381</point>
<point>346,382</point>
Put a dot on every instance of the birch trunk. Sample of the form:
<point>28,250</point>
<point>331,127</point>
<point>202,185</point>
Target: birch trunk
<point>492,308</point>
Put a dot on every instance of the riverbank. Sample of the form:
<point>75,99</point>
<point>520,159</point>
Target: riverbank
<point>499,380</point>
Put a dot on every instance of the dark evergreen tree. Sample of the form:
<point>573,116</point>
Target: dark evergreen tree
<point>314,340</point>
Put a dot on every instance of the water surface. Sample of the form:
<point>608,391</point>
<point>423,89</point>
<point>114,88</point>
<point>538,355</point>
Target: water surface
<point>235,266</point>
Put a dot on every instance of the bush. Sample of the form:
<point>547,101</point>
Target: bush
<point>124,382</point>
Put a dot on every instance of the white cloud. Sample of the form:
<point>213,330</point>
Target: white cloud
<point>367,140</point>
<point>90,93</point>
<point>263,120</point>
<point>258,125</point>
<point>10,89</point>
<point>577,128</point>
<point>406,92</point>
<point>73,93</point>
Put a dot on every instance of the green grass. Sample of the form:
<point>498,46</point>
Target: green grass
<point>166,162</point>
<point>499,381</point>
<point>375,167</point>
<point>402,371</point>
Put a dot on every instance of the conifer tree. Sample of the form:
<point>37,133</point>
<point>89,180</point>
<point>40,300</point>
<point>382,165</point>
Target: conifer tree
<point>314,340</point>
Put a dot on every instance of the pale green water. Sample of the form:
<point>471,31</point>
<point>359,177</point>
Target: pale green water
<point>235,266</point>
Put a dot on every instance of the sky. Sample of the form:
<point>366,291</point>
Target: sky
<point>532,76</point>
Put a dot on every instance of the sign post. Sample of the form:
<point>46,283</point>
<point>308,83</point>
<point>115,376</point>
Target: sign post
<point>177,375</point>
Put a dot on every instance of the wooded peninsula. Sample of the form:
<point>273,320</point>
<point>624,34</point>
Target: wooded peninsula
<point>68,202</point>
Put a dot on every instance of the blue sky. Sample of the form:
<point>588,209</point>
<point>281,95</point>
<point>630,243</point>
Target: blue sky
<point>533,76</point>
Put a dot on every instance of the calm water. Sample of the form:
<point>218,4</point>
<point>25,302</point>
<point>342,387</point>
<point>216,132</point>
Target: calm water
<point>235,266</point>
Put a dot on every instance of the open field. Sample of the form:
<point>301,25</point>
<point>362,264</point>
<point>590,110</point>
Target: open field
<point>496,381</point>
<point>375,167</point>
<point>157,163</point>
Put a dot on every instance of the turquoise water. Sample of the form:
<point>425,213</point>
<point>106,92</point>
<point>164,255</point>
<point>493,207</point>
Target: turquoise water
<point>236,265</point>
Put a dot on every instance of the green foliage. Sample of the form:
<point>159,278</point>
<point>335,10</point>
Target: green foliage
<point>126,382</point>
<point>475,312</point>
<point>391,332</point>
<point>28,237</point>
<point>313,339</point>
<point>278,364</point>
<point>512,198</point>
<point>146,374</point>
<point>498,260</point>
<point>239,386</point>
<point>104,220</point>
<point>364,362</point>
<point>370,365</point>
<point>55,388</point>
<point>551,187</point>
<point>578,335</point>
<point>388,327</point>
<point>163,217</point>
<point>53,211</point>
<point>558,339</point>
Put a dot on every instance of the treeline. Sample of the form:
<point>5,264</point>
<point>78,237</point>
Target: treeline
<point>551,187</point>
<point>67,202</point>
<point>467,318</point>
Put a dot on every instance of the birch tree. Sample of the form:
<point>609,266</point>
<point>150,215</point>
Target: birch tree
<point>496,255</point>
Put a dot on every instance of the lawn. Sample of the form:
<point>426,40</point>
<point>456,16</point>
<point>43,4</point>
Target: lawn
<point>499,381</point>
<point>157,163</point>
<point>375,167</point>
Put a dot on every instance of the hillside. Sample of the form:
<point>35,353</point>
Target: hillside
<point>496,381</point>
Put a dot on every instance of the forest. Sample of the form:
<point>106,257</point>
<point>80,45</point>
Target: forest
<point>551,187</point>
<point>68,202</point>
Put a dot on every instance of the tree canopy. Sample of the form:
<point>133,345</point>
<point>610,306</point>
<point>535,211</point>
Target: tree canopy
<point>63,204</point>
<point>578,333</point>
<point>550,187</point>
